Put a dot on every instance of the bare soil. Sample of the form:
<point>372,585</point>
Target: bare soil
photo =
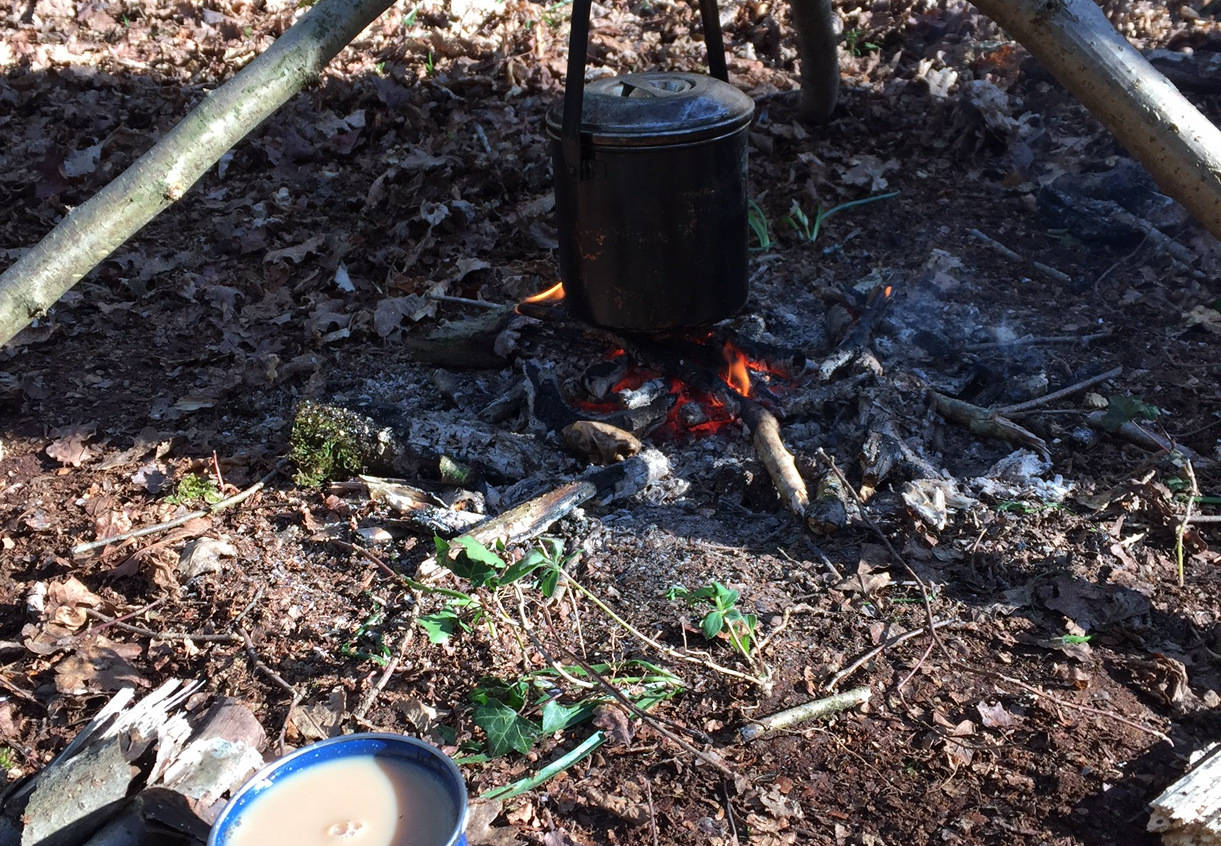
<point>304,265</point>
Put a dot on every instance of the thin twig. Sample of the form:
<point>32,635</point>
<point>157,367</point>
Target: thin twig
<point>1029,688</point>
<point>928,650</point>
<point>1201,518</point>
<point>448,298</point>
<point>1027,340</point>
<point>1060,394</point>
<point>1012,255</point>
<point>366,702</point>
<point>648,795</point>
<point>733,826</point>
<point>878,650</point>
<point>220,480</point>
<point>654,723</point>
<point>202,637</point>
<point>296,695</point>
<point>92,630</point>
<point>1126,258</point>
<point>236,499</point>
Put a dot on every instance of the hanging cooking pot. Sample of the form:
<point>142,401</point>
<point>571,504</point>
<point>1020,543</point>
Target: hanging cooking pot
<point>650,189</point>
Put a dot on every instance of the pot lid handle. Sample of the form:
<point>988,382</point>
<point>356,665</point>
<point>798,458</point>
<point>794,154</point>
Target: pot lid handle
<point>574,80</point>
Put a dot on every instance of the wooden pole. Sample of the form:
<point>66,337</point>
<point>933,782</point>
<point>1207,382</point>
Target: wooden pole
<point>1158,125</point>
<point>89,233</point>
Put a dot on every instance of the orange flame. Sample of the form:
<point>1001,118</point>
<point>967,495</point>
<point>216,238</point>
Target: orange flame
<point>736,374</point>
<point>552,295</point>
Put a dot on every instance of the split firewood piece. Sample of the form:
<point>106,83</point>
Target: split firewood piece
<point>987,423</point>
<point>775,456</point>
<point>533,517</point>
<point>88,783</point>
<point>1189,811</point>
<point>473,343</point>
<point>421,511</point>
<point>600,442</point>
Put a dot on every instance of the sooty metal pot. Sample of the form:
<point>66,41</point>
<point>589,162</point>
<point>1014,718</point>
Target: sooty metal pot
<point>651,195</point>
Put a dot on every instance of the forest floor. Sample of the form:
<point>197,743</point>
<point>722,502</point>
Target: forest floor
<point>1078,658</point>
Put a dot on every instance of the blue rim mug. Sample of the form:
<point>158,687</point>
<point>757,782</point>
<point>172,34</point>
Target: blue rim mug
<point>365,744</point>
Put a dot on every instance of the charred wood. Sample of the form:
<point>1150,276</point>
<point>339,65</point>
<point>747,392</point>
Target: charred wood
<point>600,443</point>
<point>464,344</point>
<point>987,423</point>
<point>531,518</point>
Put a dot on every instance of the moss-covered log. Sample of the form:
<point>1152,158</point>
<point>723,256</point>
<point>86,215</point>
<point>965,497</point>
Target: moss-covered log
<point>334,442</point>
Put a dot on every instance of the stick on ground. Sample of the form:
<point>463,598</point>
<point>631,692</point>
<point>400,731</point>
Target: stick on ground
<point>804,713</point>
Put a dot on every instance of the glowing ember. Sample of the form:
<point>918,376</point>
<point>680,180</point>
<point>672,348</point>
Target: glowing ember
<point>694,412</point>
<point>552,295</point>
<point>736,374</point>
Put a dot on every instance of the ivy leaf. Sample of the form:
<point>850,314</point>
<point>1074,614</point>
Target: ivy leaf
<point>441,626</point>
<point>475,563</point>
<point>530,562</point>
<point>557,717</point>
<point>548,582</point>
<point>506,729</point>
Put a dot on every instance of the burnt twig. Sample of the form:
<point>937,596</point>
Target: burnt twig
<point>1015,256</point>
<point>987,423</point>
<point>1060,394</point>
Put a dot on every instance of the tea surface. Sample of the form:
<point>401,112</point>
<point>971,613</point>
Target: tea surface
<point>357,801</point>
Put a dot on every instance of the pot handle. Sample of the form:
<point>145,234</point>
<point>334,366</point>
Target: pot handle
<point>574,81</point>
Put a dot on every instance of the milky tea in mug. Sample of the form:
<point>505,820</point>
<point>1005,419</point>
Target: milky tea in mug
<point>375,790</point>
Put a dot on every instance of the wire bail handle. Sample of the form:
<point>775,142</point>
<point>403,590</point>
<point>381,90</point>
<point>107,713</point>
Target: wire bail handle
<point>574,82</point>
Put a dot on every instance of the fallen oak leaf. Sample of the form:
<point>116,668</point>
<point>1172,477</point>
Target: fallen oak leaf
<point>995,716</point>
<point>611,719</point>
<point>69,446</point>
<point>103,666</point>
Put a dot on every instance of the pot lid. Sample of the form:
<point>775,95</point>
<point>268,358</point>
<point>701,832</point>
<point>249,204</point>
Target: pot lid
<point>655,108</point>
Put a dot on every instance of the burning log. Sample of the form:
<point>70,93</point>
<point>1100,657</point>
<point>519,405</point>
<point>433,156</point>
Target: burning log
<point>550,412</point>
<point>330,441</point>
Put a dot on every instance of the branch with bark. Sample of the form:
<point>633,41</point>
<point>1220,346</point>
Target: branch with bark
<point>91,232</point>
<point>1073,39</point>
